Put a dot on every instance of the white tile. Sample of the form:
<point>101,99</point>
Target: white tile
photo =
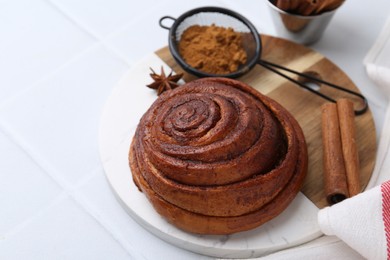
<point>25,188</point>
<point>59,118</point>
<point>146,35</point>
<point>101,17</point>
<point>257,12</point>
<point>65,231</point>
<point>99,194</point>
<point>35,40</point>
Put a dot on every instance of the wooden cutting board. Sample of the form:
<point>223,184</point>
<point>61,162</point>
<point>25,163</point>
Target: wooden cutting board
<point>305,106</point>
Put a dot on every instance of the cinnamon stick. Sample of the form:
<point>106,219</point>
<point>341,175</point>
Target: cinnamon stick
<point>294,4</point>
<point>348,142</point>
<point>335,181</point>
<point>283,4</point>
<point>328,5</point>
<point>307,7</point>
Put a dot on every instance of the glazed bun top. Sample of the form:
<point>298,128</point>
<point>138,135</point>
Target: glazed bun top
<point>213,132</point>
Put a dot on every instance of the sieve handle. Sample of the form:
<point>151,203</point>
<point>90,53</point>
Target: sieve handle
<point>164,18</point>
<point>273,67</point>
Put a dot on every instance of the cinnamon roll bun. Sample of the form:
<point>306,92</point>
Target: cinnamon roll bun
<point>215,156</point>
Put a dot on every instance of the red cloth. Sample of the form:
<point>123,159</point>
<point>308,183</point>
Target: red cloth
<point>385,189</point>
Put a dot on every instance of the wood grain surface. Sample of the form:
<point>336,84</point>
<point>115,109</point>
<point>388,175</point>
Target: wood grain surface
<point>305,106</point>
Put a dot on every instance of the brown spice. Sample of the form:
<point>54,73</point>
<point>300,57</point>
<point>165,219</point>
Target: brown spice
<point>212,49</point>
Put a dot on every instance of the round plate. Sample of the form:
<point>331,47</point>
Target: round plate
<point>127,103</point>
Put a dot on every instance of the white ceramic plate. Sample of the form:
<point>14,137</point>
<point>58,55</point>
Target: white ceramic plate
<point>127,103</point>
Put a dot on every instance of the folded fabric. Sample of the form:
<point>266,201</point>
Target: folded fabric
<point>377,60</point>
<point>362,222</point>
<point>380,51</point>
<point>380,75</point>
<point>323,248</point>
<point>355,228</point>
<point>382,164</point>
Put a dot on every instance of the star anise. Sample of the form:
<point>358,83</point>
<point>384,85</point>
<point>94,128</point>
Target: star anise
<point>162,82</point>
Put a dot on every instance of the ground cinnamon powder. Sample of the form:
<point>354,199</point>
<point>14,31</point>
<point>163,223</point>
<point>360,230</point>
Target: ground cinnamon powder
<point>212,49</point>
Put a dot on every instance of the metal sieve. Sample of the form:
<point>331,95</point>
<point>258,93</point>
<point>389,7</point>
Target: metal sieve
<point>251,43</point>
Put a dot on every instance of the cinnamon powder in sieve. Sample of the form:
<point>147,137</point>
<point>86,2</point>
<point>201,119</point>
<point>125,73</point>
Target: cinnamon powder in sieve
<point>212,49</point>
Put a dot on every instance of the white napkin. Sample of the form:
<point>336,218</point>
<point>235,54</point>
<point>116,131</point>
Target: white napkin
<point>377,62</point>
<point>363,222</point>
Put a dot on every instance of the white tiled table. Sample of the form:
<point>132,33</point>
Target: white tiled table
<point>59,60</point>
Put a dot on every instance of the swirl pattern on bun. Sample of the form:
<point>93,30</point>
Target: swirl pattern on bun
<point>215,156</point>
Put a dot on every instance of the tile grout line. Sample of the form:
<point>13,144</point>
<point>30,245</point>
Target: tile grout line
<point>63,65</point>
<point>106,224</point>
<point>76,22</point>
<point>98,42</point>
<point>62,183</point>
<point>88,207</point>
<point>68,190</point>
<point>48,75</point>
<point>103,223</point>
<point>36,158</point>
<point>96,36</point>
<point>87,30</point>
<point>39,213</point>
